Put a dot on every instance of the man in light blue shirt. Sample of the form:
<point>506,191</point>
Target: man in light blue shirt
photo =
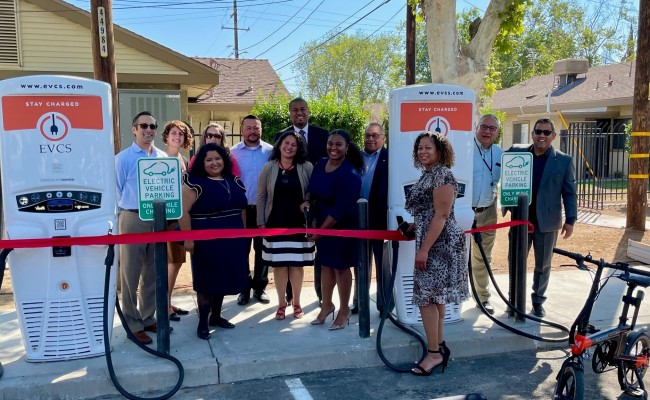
<point>487,171</point>
<point>137,267</point>
<point>251,154</point>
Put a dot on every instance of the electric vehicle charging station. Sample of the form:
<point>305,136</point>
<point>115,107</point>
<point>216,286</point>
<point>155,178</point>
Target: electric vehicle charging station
<point>58,180</point>
<point>446,109</point>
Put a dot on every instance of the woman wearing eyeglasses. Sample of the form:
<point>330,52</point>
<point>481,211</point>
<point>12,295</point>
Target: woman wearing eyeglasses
<point>176,136</point>
<point>214,133</point>
<point>281,188</point>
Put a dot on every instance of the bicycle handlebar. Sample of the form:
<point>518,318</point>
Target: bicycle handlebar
<point>620,266</point>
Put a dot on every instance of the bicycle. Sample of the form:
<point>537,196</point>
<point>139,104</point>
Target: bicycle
<point>623,347</point>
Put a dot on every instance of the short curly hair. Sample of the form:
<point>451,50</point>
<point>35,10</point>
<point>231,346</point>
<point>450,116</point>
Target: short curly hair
<point>443,147</point>
<point>183,128</point>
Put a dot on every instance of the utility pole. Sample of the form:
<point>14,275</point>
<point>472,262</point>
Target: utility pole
<point>637,184</point>
<point>410,45</point>
<point>101,31</point>
<point>235,28</point>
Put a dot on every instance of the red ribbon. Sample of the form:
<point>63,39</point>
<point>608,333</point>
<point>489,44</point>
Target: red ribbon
<point>208,234</point>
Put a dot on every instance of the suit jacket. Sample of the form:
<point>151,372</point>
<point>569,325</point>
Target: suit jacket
<point>557,188</point>
<point>378,197</point>
<point>316,142</point>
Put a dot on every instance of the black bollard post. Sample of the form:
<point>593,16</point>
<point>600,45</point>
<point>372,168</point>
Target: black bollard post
<point>521,232</point>
<point>513,246</point>
<point>162,321</point>
<point>363,276</point>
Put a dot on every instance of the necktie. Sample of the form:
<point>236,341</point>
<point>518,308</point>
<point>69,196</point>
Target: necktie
<point>302,133</point>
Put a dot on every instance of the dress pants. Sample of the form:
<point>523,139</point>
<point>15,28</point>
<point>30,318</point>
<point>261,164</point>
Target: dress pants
<point>542,244</point>
<point>260,278</point>
<point>479,270</point>
<point>137,274</point>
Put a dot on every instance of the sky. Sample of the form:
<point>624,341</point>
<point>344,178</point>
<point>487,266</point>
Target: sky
<point>268,29</point>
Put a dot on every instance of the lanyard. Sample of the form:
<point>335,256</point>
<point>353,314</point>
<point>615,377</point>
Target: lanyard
<point>489,167</point>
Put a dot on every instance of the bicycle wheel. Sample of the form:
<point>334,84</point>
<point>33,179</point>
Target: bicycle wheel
<point>570,384</point>
<point>627,376</point>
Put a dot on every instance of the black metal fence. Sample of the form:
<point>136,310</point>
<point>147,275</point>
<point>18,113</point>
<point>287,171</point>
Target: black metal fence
<point>599,150</point>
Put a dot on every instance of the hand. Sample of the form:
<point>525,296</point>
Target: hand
<point>567,231</point>
<point>189,246</point>
<point>262,226</point>
<point>313,237</point>
<point>421,257</point>
<point>304,205</point>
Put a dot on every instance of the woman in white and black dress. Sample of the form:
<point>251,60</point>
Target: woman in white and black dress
<point>281,189</point>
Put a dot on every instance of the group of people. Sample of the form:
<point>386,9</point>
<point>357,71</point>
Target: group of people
<point>313,178</point>
<point>308,178</point>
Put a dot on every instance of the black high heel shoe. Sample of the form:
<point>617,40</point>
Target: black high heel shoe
<point>419,371</point>
<point>203,332</point>
<point>446,353</point>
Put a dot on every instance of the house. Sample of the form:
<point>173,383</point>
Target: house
<point>241,83</point>
<point>53,37</point>
<point>589,106</point>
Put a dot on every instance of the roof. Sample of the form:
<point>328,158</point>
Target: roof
<point>241,81</point>
<point>601,86</point>
<point>197,73</point>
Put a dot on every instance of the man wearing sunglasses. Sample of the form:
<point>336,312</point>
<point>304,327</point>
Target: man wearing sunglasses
<point>554,174</point>
<point>486,174</point>
<point>137,268</point>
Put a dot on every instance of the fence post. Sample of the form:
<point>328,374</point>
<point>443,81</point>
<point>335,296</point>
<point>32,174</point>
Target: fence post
<point>160,255</point>
<point>363,276</point>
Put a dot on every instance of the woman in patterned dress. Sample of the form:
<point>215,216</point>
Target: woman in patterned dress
<point>440,275</point>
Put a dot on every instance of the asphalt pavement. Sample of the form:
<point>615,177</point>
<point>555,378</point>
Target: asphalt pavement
<point>261,347</point>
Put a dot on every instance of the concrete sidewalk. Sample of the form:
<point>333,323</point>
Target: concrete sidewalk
<point>261,347</point>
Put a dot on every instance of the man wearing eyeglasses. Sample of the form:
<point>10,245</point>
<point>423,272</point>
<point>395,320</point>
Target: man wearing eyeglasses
<point>316,138</point>
<point>137,268</point>
<point>486,174</point>
<point>554,174</point>
<point>374,188</point>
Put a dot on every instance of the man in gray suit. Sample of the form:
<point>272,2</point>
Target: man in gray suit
<point>554,173</point>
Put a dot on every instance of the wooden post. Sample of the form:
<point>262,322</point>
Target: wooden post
<point>101,31</point>
<point>637,199</point>
<point>410,45</point>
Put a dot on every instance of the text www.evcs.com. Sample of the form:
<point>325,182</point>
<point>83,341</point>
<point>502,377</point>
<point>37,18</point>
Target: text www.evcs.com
<point>52,86</point>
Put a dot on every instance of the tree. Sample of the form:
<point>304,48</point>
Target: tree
<point>467,65</point>
<point>349,67</point>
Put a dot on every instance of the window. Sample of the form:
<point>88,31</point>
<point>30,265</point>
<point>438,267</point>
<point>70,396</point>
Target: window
<point>520,133</point>
<point>8,33</point>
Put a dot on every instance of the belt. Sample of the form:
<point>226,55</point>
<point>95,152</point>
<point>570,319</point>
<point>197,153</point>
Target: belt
<point>131,210</point>
<point>479,209</point>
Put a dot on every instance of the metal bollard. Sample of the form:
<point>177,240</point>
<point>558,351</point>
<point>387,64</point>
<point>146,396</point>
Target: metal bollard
<point>521,232</point>
<point>160,254</point>
<point>363,281</point>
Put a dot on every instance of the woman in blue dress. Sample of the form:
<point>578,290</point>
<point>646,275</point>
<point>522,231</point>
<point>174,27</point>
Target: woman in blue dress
<point>213,198</point>
<point>334,189</point>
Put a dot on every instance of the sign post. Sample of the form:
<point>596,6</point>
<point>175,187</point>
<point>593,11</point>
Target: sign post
<point>159,178</point>
<point>516,177</point>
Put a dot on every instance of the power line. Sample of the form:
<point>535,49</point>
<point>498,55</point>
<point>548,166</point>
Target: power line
<point>280,27</point>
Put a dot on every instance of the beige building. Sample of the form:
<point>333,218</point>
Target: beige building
<point>53,37</point>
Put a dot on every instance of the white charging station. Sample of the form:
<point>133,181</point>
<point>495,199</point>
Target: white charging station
<point>414,109</point>
<point>58,180</point>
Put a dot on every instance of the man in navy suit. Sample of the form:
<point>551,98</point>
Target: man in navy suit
<point>555,173</point>
<point>316,138</point>
<point>374,188</point>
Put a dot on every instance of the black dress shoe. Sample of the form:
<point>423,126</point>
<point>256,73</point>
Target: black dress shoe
<point>221,323</point>
<point>180,311</point>
<point>243,299</point>
<point>488,307</point>
<point>354,309</point>
<point>174,317</point>
<point>539,311</point>
<point>262,297</point>
<point>203,333</point>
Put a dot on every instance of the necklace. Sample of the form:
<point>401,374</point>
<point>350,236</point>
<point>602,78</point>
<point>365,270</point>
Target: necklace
<point>283,169</point>
<point>489,167</point>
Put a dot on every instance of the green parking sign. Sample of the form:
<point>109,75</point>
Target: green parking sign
<point>516,177</point>
<point>159,178</point>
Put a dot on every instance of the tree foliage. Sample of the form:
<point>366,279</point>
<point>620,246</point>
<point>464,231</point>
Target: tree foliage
<point>352,66</point>
<point>327,112</point>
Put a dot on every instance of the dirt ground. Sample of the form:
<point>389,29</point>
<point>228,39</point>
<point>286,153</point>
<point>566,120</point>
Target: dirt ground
<point>608,243</point>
